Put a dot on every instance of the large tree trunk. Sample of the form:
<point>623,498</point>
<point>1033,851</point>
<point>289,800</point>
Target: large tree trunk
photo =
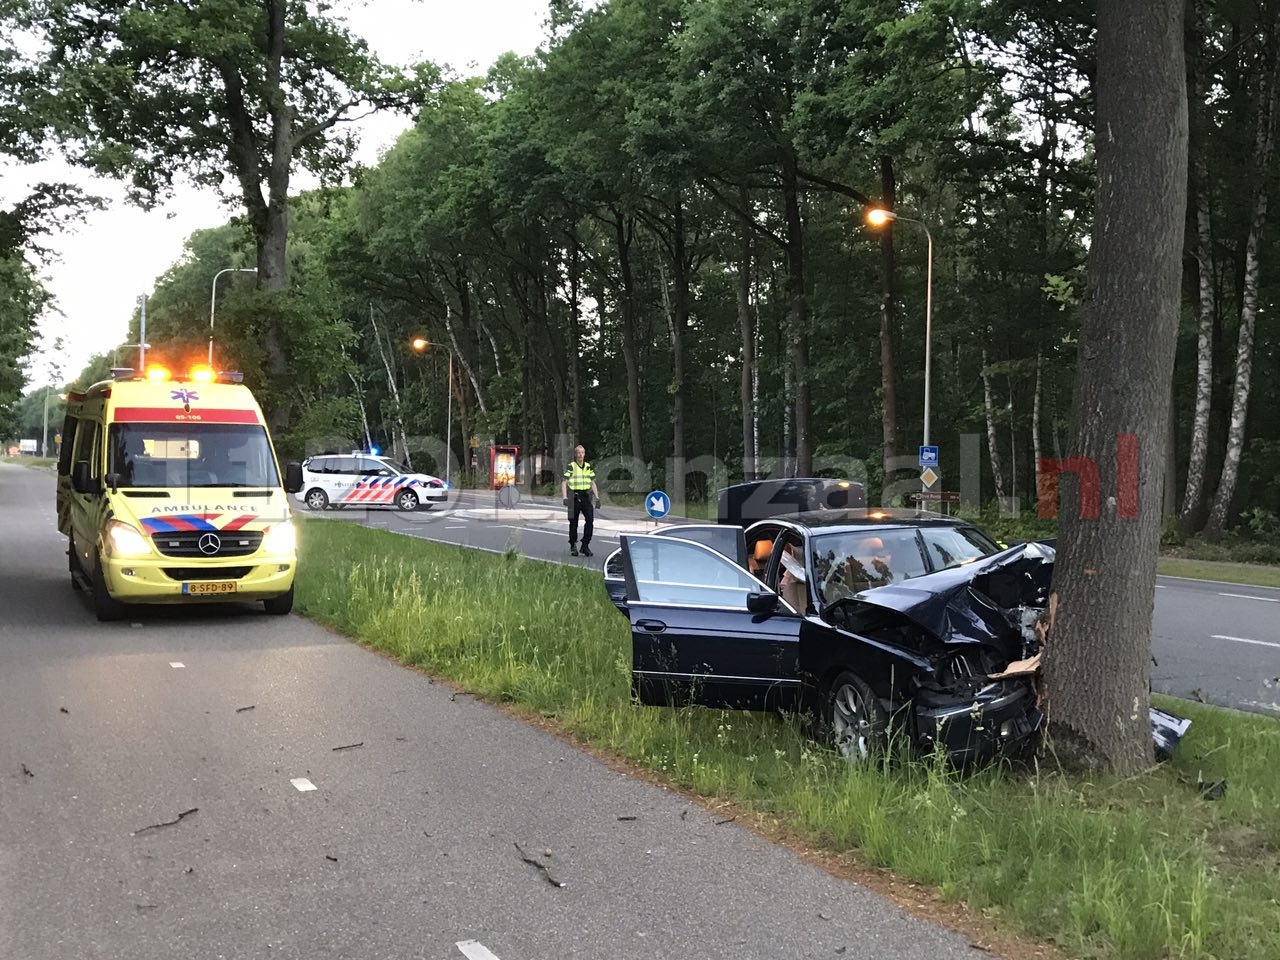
<point>993,444</point>
<point>1097,661</point>
<point>1221,508</point>
<point>1035,426</point>
<point>747,329</point>
<point>625,233</point>
<point>1194,493</point>
<point>798,320</point>
<point>888,367</point>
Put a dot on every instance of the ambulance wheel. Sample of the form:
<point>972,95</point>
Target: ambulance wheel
<point>74,566</point>
<point>279,606</point>
<point>317,499</point>
<point>104,605</point>
<point>407,501</point>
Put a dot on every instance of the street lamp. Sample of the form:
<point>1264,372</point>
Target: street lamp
<point>213,297</point>
<point>420,344</point>
<point>878,217</point>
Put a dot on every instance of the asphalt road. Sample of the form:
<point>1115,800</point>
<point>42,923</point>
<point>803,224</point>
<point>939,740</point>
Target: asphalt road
<point>405,848</point>
<point>1215,642</point>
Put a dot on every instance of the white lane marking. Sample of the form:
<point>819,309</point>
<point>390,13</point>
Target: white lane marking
<point>303,784</point>
<point>1161,586</point>
<point>475,950</point>
<point>1260,643</point>
<point>176,665</point>
<point>1245,596</point>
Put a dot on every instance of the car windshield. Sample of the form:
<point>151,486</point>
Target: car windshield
<point>956,546</point>
<point>191,455</point>
<point>395,465</point>
<point>849,562</point>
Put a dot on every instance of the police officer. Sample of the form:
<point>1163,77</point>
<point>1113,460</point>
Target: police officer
<point>579,483</point>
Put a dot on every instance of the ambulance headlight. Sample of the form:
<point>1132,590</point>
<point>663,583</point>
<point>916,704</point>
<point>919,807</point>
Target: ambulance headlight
<point>282,538</point>
<point>126,541</point>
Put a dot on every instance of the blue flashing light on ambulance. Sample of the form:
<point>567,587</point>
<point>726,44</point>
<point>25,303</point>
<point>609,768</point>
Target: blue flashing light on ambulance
<point>169,491</point>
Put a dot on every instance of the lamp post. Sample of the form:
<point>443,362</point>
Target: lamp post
<point>420,344</point>
<point>213,298</point>
<point>878,218</point>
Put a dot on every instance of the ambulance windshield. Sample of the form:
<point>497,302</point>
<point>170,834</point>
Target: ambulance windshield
<point>191,455</point>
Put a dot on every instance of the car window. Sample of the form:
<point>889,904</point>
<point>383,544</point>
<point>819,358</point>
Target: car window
<point>343,465</point>
<point>849,562</point>
<point>665,570</point>
<point>373,468</point>
<point>955,546</point>
<point>318,465</point>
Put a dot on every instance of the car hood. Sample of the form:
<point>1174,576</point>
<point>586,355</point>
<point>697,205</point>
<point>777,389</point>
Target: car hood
<point>213,511</point>
<point>981,602</point>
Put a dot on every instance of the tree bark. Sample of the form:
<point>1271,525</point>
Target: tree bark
<point>993,445</point>
<point>1035,426</point>
<point>1265,148</point>
<point>1097,661</point>
<point>679,324</point>
<point>746,327</point>
<point>624,232</point>
<point>888,366</point>
<point>798,319</point>
<point>1194,493</point>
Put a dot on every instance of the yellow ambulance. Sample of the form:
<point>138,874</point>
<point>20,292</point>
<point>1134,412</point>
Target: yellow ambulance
<point>169,491</point>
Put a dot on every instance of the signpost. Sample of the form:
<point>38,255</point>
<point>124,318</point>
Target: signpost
<point>937,496</point>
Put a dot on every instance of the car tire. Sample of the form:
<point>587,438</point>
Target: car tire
<point>854,721</point>
<point>407,501</point>
<point>279,606</point>
<point>105,606</point>
<point>316,499</point>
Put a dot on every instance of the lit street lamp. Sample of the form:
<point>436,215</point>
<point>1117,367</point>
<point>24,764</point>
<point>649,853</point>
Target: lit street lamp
<point>878,218</point>
<point>213,297</point>
<point>420,344</point>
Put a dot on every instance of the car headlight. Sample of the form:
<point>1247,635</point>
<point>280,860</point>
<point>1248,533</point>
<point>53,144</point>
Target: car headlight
<point>126,541</point>
<point>282,538</point>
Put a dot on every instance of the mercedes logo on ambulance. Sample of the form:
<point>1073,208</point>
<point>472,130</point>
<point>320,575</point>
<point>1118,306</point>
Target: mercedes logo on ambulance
<point>209,544</point>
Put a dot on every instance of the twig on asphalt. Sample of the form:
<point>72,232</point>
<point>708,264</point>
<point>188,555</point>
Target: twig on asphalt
<point>349,746</point>
<point>26,771</point>
<point>546,871</point>
<point>721,823</point>
<point>63,710</point>
<point>628,818</point>
<point>167,823</point>
<point>243,709</point>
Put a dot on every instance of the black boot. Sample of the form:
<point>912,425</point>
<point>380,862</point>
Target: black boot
<point>573,549</point>
<point>586,551</point>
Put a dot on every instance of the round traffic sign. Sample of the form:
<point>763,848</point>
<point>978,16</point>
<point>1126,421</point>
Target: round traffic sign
<point>657,504</point>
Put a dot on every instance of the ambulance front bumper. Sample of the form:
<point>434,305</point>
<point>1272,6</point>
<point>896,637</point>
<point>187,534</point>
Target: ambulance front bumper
<point>168,580</point>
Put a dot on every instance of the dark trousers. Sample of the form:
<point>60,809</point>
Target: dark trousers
<point>580,503</point>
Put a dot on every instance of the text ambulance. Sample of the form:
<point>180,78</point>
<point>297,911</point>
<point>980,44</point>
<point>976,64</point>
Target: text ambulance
<point>169,492</point>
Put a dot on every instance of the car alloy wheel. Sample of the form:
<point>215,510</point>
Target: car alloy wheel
<point>317,499</point>
<point>407,501</point>
<point>856,718</point>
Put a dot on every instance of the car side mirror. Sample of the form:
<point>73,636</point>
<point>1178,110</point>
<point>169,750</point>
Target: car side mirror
<point>293,477</point>
<point>81,481</point>
<point>765,602</point>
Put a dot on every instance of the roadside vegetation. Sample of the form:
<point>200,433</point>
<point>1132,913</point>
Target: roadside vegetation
<point>1134,869</point>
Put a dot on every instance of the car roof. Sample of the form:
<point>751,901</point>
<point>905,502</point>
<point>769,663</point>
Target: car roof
<point>881,518</point>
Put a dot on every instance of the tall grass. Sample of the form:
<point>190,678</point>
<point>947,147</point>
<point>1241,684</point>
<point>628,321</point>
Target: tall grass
<point>1133,870</point>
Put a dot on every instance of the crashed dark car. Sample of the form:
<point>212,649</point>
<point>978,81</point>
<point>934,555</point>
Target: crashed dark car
<point>874,621</point>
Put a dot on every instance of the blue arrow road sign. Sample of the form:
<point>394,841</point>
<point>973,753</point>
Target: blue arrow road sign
<point>657,505</point>
<point>928,456</point>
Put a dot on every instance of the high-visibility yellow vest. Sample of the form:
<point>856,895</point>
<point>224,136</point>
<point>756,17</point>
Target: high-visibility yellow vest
<point>579,477</point>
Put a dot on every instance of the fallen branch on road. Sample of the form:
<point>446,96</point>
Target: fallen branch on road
<point>167,823</point>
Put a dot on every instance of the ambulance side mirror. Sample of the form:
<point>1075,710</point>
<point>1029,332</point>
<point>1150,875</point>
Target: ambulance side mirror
<point>81,481</point>
<point>293,477</point>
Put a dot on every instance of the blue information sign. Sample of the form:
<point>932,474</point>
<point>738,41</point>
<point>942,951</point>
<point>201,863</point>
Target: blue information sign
<point>657,504</point>
<point>928,456</point>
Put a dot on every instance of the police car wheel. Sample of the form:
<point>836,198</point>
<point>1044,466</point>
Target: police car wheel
<point>407,501</point>
<point>317,499</point>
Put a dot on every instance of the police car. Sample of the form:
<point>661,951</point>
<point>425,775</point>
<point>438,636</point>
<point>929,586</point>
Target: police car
<point>366,480</point>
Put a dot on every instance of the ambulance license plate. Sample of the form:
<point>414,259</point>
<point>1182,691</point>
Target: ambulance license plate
<point>207,587</point>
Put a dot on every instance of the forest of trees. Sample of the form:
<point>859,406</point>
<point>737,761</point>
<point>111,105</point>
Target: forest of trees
<point>651,236</point>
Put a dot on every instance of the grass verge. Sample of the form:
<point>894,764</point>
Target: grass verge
<point>1138,869</point>
<point>29,461</point>
<point>1254,574</point>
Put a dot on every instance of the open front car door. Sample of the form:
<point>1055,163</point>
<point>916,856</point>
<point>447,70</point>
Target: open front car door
<point>705,631</point>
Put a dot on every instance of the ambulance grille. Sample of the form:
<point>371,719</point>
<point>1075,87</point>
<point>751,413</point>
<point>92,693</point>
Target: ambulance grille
<point>237,543</point>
